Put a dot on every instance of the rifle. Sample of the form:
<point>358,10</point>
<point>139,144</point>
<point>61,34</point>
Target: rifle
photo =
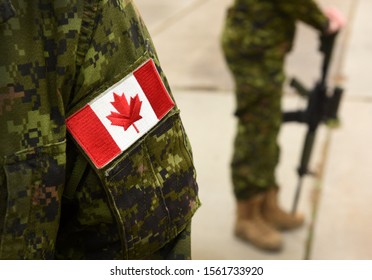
<point>321,107</point>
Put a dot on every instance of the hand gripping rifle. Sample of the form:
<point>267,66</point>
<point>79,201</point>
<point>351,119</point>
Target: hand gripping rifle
<point>321,107</point>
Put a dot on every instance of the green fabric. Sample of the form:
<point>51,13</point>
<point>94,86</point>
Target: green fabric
<point>256,37</point>
<point>254,25</point>
<point>55,57</point>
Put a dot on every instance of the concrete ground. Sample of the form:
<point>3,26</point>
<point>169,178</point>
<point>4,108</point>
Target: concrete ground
<point>337,202</point>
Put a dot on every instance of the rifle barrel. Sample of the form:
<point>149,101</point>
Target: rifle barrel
<point>297,194</point>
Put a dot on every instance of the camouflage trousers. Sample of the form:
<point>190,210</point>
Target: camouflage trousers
<point>258,80</point>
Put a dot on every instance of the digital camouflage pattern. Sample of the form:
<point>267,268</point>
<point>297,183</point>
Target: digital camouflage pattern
<point>256,37</point>
<point>178,249</point>
<point>55,57</point>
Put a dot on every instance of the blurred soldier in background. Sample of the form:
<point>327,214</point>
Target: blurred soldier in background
<point>95,162</point>
<point>256,38</point>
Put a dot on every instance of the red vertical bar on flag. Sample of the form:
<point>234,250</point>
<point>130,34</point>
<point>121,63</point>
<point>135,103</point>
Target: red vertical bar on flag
<point>152,85</point>
<point>92,136</point>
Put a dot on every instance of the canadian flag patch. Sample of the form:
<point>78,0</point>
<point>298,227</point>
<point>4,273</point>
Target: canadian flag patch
<point>121,115</point>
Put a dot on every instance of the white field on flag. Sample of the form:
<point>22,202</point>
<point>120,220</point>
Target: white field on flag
<point>102,107</point>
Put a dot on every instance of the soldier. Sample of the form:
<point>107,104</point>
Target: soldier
<point>256,37</point>
<point>95,162</point>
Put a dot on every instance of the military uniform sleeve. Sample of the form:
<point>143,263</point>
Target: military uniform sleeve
<point>118,40</point>
<point>306,10</point>
<point>36,68</point>
<point>151,182</point>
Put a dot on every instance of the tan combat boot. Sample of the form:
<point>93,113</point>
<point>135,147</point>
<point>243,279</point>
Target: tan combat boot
<point>277,217</point>
<point>251,227</point>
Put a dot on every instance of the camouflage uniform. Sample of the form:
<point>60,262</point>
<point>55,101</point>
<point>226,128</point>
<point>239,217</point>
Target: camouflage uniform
<point>56,56</point>
<point>255,40</point>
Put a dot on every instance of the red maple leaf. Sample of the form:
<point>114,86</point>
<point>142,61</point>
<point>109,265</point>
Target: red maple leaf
<point>128,113</point>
